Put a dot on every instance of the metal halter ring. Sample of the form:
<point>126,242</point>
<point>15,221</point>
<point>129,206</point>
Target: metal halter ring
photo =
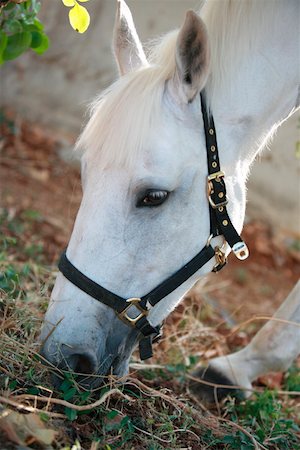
<point>220,254</point>
<point>220,258</point>
<point>133,302</point>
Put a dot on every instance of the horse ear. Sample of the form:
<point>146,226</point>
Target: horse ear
<point>127,47</point>
<point>192,59</point>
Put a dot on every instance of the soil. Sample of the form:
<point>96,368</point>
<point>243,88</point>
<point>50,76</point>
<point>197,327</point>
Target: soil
<point>34,178</point>
<point>36,183</point>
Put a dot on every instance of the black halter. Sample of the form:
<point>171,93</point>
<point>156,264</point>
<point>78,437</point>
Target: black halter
<point>220,224</point>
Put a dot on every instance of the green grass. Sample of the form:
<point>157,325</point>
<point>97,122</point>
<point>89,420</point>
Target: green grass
<point>268,419</point>
<point>151,411</point>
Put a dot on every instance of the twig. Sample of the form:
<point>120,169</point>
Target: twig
<point>182,430</point>
<point>51,331</point>
<point>27,408</point>
<point>152,435</point>
<point>2,369</point>
<point>175,403</point>
<point>256,444</point>
<point>58,401</point>
<point>140,366</point>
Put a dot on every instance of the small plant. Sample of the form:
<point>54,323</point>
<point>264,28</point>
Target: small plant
<point>154,414</point>
<point>20,29</point>
<point>292,379</point>
<point>265,417</point>
<point>10,280</point>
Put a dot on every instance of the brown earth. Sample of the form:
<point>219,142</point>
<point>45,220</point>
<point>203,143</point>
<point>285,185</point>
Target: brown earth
<point>34,181</point>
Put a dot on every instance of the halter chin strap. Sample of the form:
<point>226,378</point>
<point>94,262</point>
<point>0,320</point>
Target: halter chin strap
<point>134,311</point>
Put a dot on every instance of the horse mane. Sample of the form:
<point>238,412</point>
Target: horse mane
<point>235,29</point>
<point>122,116</point>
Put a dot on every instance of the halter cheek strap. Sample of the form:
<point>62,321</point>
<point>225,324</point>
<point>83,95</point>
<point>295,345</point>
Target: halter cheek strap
<point>134,311</point>
<point>220,223</point>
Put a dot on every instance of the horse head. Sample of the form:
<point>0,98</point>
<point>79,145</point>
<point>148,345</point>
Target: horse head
<point>144,211</point>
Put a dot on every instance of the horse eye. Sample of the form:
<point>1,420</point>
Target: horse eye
<point>153,198</point>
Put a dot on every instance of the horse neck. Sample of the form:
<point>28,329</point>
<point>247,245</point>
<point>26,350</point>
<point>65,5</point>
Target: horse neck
<point>258,88</point>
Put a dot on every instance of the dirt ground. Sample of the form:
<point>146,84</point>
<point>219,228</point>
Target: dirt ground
<point>34,178</point>
<point>36,183</point>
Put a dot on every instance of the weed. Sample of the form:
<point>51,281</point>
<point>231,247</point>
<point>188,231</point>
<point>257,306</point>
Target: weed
<point>154,415</point>
<point>265,415</point>
<point>292,379</point>
<point>32,215</point>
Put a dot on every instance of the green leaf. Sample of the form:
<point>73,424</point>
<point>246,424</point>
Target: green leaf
<point>16,45</point>
<point>33,390</point>
<point>44,45</point>
<point>36,39</point>
<point>79,18</point>
<point>71,414</point>
<point>39,26</point>
<point>44,417</point>
<point>65,385</point>
<point>13,26</point>
<point>69,394</point>
<point>12,385</point>
<point>84,396</point>
<point>9,7</point>
<point>3,43</point>
<point>112,414</point>
<point>35,6</point>
<point>32,214</point>
<point>228,439</point>
<point>125,421</point>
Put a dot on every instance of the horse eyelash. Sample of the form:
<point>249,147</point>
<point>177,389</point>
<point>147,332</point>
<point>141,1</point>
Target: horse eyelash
<point>140,202</point>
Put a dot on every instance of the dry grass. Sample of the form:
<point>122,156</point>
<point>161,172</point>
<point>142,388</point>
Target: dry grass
<point>153,409</point>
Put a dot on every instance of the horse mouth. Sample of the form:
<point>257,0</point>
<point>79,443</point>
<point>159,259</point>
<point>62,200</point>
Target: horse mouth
<point>112,369</point>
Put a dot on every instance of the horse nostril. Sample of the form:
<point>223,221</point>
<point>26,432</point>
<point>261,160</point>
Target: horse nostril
<point>80,362</point>
<point>84,364</point>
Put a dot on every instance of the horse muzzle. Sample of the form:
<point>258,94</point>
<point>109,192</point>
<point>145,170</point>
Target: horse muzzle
<point>90,360</point>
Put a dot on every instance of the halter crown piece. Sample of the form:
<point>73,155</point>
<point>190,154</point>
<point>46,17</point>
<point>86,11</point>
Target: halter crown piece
<point>220,224</point>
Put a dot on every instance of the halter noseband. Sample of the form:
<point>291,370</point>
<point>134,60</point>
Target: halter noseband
<point>220,224</point>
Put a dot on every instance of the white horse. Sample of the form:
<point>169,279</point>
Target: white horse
<point>144,212</point>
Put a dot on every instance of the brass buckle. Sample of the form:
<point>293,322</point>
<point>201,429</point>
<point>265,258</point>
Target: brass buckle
<point>216,205</point>
<point>221,259</point>
<point>241,250</point>
<point>126,318</point>
<point>220,254</point>
<point>214,176</point>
